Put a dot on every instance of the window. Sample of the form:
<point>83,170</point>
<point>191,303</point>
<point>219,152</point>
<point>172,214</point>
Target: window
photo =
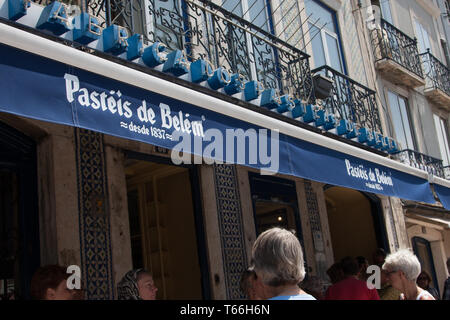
<point>442,134</point>
<point>253,57</point>
<point>325,41</point>
<point>422,249</point>
<point>447,9</point>
<point>255,12</point>
<point>165,22</point>
<point>386,11</point>
<point>423,39</point>
<point>400,121</point>
<point>385,8</point>
<point>275,204</point>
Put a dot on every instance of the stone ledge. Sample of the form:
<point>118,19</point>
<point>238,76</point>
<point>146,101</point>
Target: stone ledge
<point>438,97</point>
<point>397,74</point>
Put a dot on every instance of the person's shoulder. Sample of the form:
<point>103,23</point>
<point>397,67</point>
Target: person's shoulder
<point>425,295</point>
<point>303,296</point>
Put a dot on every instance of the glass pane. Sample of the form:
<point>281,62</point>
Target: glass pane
<point>319,12</point>
<point>386,11</point>
<point>426,40</point>
<point>426,261</point>
<point>445,145</point>
<point>442,139</point>
<point>423,40</point>
<point>171,34</point>
<point>258,13</point>
<point>333,53</point>
<point>420,43</point>
<point>317,46</point>
<point>397,120</point>
<point>406,126</point>
<point>292,24</point>
<point>233,6</point>
<point>263,54</point>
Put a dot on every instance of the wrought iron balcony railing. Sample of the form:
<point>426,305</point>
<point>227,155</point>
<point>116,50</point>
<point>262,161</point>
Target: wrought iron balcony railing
<point>447,172</point>
<point>421,161</point>
<point>436,73</point>
<point>351,100</point>
<point>390,43</point>
<point>206,30</point>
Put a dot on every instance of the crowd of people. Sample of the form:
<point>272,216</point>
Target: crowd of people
<point>277,272</point>
<point>400,278</point>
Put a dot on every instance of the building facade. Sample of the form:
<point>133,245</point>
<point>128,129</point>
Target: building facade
<point>75,190</point>
<point>417,111</point>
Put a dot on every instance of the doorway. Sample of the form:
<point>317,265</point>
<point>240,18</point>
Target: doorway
<point>275,204</point>
<point>166,227</point>
<point>356,223</point>
<point>19,220</point>
<point>422,250</point>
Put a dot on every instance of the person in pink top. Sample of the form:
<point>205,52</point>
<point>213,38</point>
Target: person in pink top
<point>351,288</point>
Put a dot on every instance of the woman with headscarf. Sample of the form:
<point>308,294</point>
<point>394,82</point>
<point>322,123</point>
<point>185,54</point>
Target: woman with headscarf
<point>137,285</point>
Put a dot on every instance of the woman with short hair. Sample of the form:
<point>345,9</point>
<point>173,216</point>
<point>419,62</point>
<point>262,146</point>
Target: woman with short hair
<point>403,268</point>
<point>278,263</point>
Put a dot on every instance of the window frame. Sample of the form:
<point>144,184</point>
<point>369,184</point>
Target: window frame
<point>416,242</point>
<point>408,114</point>
<point>245,5</point>
<point>421,36</point>
<point>336,36</point>
<point>443,132</point>
<point>391,20</point>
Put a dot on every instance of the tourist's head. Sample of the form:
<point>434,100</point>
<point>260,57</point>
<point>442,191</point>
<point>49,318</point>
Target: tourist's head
<point>50,283</point>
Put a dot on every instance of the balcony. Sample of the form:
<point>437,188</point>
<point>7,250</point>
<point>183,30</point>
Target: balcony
<point>207,31</point>
<point>421,161</point>
<point>351,100</point>
<point>437,76</point>
<point>396,56</point>
<point>447,172</point>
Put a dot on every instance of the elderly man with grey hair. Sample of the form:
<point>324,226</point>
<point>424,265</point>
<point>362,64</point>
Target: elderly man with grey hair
<point>403,268</point>
<point>278,263</point>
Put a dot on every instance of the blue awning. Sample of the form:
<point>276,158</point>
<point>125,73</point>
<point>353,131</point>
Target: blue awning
<point>41,88</point>
<point>444,195</point>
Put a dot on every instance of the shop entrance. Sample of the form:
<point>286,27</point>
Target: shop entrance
<point>19,228</point>
<point>356,223</point>
<point>275,204</point>
<point>166,227</point>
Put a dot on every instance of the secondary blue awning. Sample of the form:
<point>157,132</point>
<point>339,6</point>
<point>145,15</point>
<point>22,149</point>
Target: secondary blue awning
<point>130,106</point>
<point>444,195</point>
